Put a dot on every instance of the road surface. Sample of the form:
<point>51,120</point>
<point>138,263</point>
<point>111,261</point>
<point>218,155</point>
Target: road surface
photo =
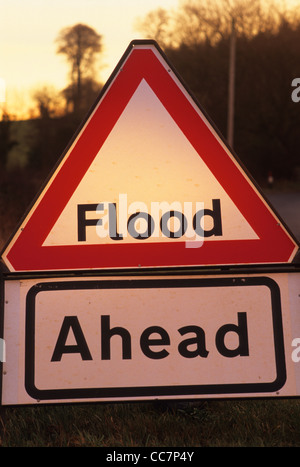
<point>287,205</point>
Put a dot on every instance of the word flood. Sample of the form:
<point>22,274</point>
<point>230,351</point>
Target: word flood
<point>164,220</point>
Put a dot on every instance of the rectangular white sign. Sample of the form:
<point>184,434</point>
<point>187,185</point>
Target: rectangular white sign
<point>137,338</point>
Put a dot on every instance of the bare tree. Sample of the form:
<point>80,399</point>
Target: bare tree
<point>198,21</point>
<point>48,101</point>
<point>156,25</point>
<point>211,20</point>
<point>80,44</point>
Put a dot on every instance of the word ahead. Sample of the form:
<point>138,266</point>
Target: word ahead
<point>194,346</point>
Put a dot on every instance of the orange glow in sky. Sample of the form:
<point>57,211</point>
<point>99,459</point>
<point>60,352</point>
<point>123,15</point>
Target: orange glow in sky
<point>28,29</point>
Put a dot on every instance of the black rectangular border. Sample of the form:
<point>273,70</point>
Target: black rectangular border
<point>153,391</point>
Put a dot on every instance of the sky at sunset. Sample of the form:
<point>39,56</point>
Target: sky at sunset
<point>28,29</point>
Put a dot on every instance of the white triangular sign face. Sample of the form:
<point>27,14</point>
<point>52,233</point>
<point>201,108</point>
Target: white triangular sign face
<point>148,182</point>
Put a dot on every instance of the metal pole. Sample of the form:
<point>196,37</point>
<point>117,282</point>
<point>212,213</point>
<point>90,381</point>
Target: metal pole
<point>231,86</point>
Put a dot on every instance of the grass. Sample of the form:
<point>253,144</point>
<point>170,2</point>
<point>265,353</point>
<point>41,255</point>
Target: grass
<point>212,423</point>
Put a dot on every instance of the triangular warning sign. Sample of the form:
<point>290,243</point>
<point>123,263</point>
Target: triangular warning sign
<point>148,182</point>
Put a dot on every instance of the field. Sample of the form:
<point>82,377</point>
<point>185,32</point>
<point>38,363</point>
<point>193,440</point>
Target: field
<point>209,423</point>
